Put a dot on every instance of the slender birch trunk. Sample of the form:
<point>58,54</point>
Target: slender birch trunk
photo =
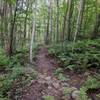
<point>79,19</point>
<point>33,33</point>
<point>12,41</point>
<point>68,19</point>
<point>58,21</point>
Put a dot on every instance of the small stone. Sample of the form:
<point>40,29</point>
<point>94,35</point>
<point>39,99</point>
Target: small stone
<point>48,78</point>
<point>41,76</point>
<point>56,85</point>
<point>49,87</point>
<point>86,73</point>
<point>97,97</point>
<point>43,93</point>
<point>49,82</point>
<point>41,81</point>
<point>75,94</point>
<point>68,89</point>
<point>27,94</point>
<point>66,97</point>
<point>73,88</point>
<point>64,84</point>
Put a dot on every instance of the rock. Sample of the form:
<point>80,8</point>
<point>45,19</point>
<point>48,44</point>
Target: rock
<point>97,96</point>
<point>49,87</point>
<point>41,81</point>
<point>66,97</point>
<point>48,78</point>
<point>27,94</point>
<point>43,93</point>
<point>41,76</point>
<point>32,82</point>
<point>75,94</point>
<point>70,88</point>
<point>86,73</point>
<point>56,85</point>
<point>73,88</point>
<point>49,82</point>
<point>64,84</point>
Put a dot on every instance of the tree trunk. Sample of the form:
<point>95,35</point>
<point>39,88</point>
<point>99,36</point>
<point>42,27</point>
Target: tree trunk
<point>68,19</point>
<point>97,22</point>
<point>48,24</point>
<point>79,19</point>
<point>33,33</point>
<point>57,20</point>
<point>12,31</point>
<point>25,24</point>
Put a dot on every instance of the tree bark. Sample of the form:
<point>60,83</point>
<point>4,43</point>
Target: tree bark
<point>68,19</point>
<point>33,33</point>
<point>58,21</point>
<point>12,49</point>
<point>79,19</point>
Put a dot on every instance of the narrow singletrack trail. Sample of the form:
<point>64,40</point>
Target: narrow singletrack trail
<point>44,64</point>
<point>46,83</point>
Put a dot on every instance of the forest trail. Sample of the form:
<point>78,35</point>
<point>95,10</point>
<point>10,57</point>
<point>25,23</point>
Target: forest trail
<point>46,83</point>
<point>44,64</point>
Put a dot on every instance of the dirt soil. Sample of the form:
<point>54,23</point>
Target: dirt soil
<point>47,83</point>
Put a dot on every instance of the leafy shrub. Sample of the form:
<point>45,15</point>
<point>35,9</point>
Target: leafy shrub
<point>4,60</point>
<point>4,99</point>
<point>92,82</point>
<point>48,97</point>
<point>59,74</point>
<point>79,56</point>
<point>83,94</point>
<point>18,75</point>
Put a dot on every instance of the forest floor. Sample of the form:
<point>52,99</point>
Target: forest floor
<point>47,86</point>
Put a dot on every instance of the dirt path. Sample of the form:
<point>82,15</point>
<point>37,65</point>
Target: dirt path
<point>46,83</point>
<point>44,64</point>
<point>47,86</point>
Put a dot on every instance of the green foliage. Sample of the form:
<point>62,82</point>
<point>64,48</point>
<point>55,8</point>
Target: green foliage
<point>4,60</point>
<point>16,74</point>
<point>19,58</point>
<point>11,1</point>
<point>48,97</point>
<point>92,82</point>
<point>4,99</point>
<point>83,94</point>
<point>79,56</point>
<point>57,71</point>
<point>60,75</point>
<point>67,91</point>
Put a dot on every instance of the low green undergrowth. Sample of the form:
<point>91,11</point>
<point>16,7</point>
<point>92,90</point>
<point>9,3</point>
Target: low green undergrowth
<point>92,83</point>
<point>48,97</point>
<point>78,56</point>
<point>16,79</point>
<point>4,60</point>
<point>59,74</point>
<point>15,73</point>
